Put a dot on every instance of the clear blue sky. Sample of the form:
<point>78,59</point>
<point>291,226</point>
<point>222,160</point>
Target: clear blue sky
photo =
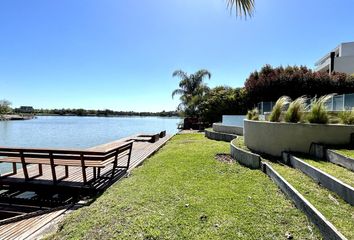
<point>120,54</point>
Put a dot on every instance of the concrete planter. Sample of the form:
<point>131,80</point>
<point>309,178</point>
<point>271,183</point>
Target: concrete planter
<point>274,138</point>
<point>226,137</point>
<point>219,127</point>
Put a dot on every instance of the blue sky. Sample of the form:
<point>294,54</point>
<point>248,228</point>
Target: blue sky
<point>120,54</point>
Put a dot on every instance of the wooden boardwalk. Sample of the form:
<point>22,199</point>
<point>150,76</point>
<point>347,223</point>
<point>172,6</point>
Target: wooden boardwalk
<point>28,228</point>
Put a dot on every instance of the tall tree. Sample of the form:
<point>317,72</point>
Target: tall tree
<point>192,89</point>
<point>242,7</point>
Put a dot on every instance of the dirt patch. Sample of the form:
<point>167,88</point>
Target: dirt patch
<point>225,158</point>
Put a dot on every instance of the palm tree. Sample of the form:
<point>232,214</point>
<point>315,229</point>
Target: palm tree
<point>242,7</point>
<point>192,89</point>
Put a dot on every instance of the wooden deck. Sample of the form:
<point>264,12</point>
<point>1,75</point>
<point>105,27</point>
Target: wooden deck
<point>29,227</point>
<point>141,150</point>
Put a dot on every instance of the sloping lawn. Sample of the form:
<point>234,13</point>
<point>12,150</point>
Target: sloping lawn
<point>337,171</point>
<point>335,209</point>
<point>183,192</point>
<point>346,152</point>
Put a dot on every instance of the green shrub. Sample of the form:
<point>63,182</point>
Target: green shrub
<point>253,114</point>
<point>318,112</point>
<point>347,117</point>
<point>278,108</point>
<point>296,110</point>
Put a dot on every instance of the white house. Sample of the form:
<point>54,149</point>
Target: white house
<point>340,59</point>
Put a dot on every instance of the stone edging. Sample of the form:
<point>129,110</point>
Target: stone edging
<point>327,229</point>
<point>227,137</point>
<point>328,181</point>
<point>339,159</point>
<point>245,158</point>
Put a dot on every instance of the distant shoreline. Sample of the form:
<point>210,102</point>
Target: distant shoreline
<point>15,117</point>
<point>94,115</point>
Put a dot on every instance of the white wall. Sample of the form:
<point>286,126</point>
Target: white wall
<point>344,64</point>
<point>347,49</point>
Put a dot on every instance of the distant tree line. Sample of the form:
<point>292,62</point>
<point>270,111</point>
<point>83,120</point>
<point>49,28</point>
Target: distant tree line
<point>106,112</point>
<point>5,108</point>
<point>268,84</point>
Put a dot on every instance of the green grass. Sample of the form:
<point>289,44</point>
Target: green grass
<point>346,152</point>
<point>339,172</point>
<point>240,143</point>
<point>183,192</point>
<point>328,203</point>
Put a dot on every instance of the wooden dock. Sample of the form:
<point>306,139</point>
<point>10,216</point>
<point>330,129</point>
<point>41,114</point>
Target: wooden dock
<point>70,189</point>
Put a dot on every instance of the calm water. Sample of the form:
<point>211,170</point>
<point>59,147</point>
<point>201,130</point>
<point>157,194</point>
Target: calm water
<point>78,132</point>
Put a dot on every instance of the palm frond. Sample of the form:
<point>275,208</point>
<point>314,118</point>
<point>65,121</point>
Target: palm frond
<point>242,7</point>
<point>178,92</point>
<point>181,74</point>
<point>203,73</point>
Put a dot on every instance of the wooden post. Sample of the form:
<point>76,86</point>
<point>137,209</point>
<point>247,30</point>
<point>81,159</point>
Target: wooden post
<point>94,172</point>
<point>66,171</point>
<point>129,156</point>
<point>14,168</point>
<point>24,165</point>
<point>52,166</point>
<point>83,168</point>
<point>115,163</point>
<point>98,172</point>
<point>40,170</point>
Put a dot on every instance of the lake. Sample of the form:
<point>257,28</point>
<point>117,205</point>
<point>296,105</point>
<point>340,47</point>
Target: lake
<point>78,132</point>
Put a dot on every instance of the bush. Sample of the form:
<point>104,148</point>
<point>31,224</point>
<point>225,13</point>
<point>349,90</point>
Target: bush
<point>253,114</point>
<point>296,110</point>
<point>222,100</point>
<point>270,83</point>
<point>279,106</point>
<point>347,117</point>
<point>318,112</point>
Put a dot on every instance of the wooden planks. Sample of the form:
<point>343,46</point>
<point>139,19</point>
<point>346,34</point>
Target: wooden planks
<point>26,228</point>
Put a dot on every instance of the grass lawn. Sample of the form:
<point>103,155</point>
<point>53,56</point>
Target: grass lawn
<point>346,152</point>
<point>335,209</point>
<point>336,171</point>
<point>183,192</point>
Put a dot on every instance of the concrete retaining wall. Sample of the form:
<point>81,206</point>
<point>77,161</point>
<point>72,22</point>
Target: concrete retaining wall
<point>339,159</point>
<point>219,127</point>
<point>274,138</point>
<point>245,158</point>
<point>328,181</point>
<point>226,137</point>
<point>326,228</point>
